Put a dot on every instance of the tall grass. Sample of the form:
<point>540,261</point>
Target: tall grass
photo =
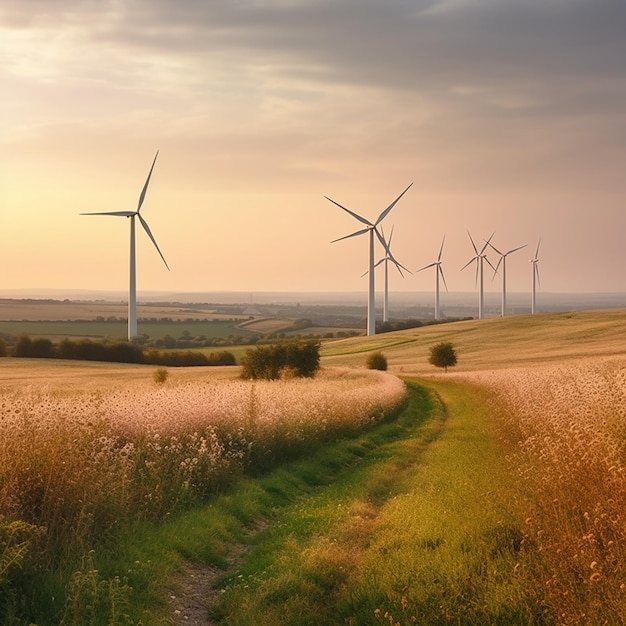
<point>569,425</point>
<point>75,467</point>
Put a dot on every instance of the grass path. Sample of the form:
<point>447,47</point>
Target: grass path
<point>423,531</point>
<point>412,522</point>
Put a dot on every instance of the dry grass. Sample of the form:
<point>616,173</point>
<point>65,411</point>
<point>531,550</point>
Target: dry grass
<point>17,374</point>
<point>525,340</point>
<point>569,424</point>
<point>267,325</point>
<point>91,449</point>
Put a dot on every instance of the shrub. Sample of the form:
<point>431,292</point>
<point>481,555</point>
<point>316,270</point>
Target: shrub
<point>294,359</point>
<point>443,355</point>
<point>376,361</point>
<point>3,348</point>
<point>160,375</point>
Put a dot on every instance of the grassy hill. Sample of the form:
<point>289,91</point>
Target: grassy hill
<point>492,343</point>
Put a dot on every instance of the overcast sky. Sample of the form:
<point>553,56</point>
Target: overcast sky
<point>508,116</point>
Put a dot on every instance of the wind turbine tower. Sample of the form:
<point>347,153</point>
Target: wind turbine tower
<point>372,229</point>
<point>503,256</point>
<point>132,291</point>
<point>438,271</point>
<point>385,260</point>
<point>535,262</point>
<point>479,258</point>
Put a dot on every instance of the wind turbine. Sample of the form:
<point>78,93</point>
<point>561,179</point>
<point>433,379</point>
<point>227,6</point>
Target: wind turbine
<point>438,271</point>
<point>502,260</point>
<point>372,229</point>
<point>479,258</point>
<point>388,257</point>
<point>535,261</point>
<point>132,295</point>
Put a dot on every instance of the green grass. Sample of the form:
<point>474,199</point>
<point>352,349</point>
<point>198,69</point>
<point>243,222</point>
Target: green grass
<point>424,530</point>
<point>416,514</point>
<point>100,330</point>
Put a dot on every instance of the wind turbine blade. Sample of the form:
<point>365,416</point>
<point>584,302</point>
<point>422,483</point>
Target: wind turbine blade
<point>441,249</point>
<point>425,267</point>
<point>382,241</point>
<point>375,265</point>
<point>487,243</point>
<point>145,187</point>
<point>399,267</point>
<point>496,249</point>
<point>537,273</point>
<point>440,270</point>
<point>473,244</point>
<point>384,214</point>
<point>495,271</point>
<point>355,215</point>
<point>116,213</point>
<point>476,278</point>
<point>390,235</point>
<point>538,244</point>
<point>515,249</point>
<point>147,229</point>
<point>497,266</point>
<point>470,262</point>
<point>358,232</point>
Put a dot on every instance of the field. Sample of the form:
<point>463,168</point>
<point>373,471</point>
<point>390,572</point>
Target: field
<point>494,343</point>
<point>542,399</point>
<point>55,319</point>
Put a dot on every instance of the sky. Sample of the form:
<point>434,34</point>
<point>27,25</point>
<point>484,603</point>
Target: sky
<point>508,117</point>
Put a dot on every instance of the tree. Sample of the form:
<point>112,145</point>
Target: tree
<point>443,355</point>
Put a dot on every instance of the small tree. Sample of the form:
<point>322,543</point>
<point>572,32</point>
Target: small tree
<point>443,355</point>
<point>376,361</point>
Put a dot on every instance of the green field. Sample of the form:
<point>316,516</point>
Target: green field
<point>99,330</point>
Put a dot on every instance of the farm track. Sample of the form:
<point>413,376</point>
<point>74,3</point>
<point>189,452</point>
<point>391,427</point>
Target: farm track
<point>372,479</point>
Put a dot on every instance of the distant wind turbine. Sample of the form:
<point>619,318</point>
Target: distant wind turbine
<point>372,229</point>
<point>132,296</point>
<point>479,258</point>
<point>388,257</point>
<point>438,271</point>
<point>502,260</point>
<point>535,262</point>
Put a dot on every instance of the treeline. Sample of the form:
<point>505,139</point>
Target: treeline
<point>115,352</point>
<point>388,327</point>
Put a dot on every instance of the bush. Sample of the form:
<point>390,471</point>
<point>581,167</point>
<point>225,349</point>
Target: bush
<point>376,361</point>
<point>292,359</point>
<point>443,355</point>
<point>3,348</point>
<point>161,375</point>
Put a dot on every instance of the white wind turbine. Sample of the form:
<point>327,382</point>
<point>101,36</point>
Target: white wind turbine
<point>388,257</point>
<point>535,262</point>
<point>372,229</point>
<point>502,260</point>
<point>479,258</point>
<point>438,271</point>
<point>132,295</point>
